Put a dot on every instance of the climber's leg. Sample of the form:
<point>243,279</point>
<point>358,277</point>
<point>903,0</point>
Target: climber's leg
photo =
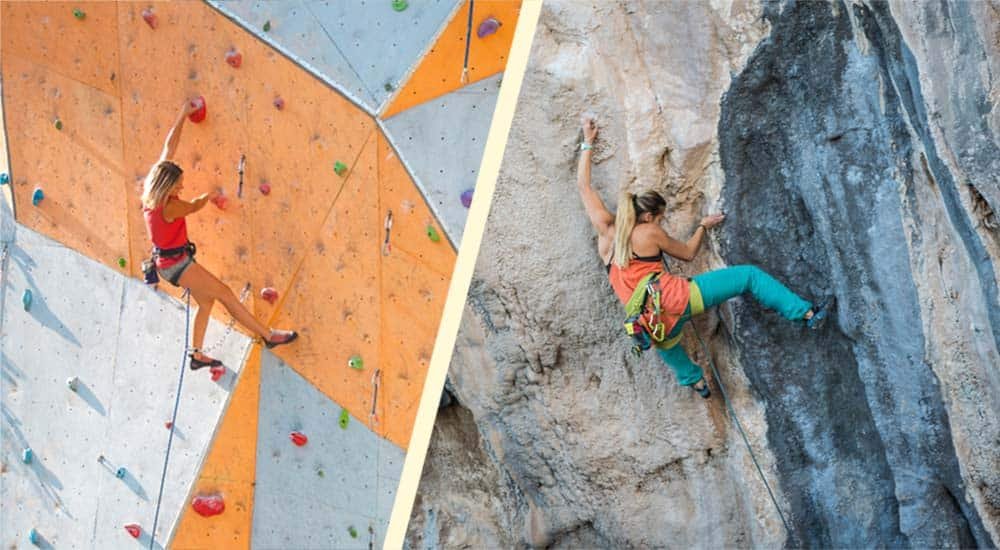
<point>688,373</point>
<point>722,284</point>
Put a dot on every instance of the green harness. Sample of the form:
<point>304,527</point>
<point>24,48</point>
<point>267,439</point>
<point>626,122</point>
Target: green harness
<point>646,297</point>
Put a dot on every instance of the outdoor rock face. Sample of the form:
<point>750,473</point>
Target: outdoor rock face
<point>854,148</point>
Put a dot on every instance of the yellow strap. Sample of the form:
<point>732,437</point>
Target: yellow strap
<point>697,307</point>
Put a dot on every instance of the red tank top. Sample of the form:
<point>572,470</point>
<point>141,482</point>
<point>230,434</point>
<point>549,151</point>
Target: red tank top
<point>675,292</point>
<point>165,235</point>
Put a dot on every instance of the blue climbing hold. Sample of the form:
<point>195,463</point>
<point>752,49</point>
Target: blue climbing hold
<point>33,536</point>
<point>27,455</point>
<point>467,198</point>
<point>4,178</point>
<point>26,299</point>
<point>120,473</point>
<point>37,196</point>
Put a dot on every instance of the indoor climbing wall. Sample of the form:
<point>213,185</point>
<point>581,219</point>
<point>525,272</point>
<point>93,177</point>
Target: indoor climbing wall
<point>340,226</point>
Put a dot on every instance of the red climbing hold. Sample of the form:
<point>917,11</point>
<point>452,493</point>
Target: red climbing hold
<point>217,372</point>
<point>279,103</point>
<point>219,201</point>
<point>234,58</point>
<point>298,438</point>
<point>265,188</point>
<point>133,530</point>
<point>200,110</point>
<point>168,424</point>
<point>149,17</point>
<point>269,294</point>
<point>208,505</point>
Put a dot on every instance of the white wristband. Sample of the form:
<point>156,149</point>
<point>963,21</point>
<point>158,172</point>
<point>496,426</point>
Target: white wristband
<point>584,146</point>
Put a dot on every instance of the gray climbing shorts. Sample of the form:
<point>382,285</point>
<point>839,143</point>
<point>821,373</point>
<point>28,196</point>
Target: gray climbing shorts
<point>174,272</point>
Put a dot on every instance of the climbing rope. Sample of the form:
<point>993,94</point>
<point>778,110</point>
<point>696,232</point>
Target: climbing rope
<point>173,419</point>
<point>739,426</point>
<point>372,422</point>
<point>468,42</point>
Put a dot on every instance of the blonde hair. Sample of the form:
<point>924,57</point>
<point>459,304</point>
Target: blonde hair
<point>159,183</point>
<point>629,208</point>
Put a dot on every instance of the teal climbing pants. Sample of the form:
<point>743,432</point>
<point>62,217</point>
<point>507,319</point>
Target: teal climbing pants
<point>721,285</point>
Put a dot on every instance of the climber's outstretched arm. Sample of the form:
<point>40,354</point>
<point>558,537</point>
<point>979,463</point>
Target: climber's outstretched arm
<point>178,208</point>
<point>687,250</point>
<point>602,220</point>
<point>174,136</point>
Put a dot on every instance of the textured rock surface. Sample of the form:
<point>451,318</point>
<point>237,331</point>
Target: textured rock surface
<point>854,149</point>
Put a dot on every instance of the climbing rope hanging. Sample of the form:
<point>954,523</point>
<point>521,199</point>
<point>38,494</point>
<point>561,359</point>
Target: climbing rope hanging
<point>173,418</point>
<point>372,422</point>
<point>739,426</point>
<point>468,42</point>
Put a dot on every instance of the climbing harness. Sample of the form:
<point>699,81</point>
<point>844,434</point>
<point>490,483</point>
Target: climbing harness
<point>149,273</point>
<point>468,41</point>
<point>239,170</point>
<point>173,418</point>
<point>739,426</point>
<point>644,323</point>
<point>386,247</point>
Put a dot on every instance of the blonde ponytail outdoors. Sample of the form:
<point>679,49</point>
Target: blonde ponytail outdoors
<point>624,223</point>
<point>159,183</point>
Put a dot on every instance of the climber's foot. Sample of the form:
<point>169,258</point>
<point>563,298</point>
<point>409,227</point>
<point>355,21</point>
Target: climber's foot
<point>820,313</point>
<point>701,387</point>
<point>200,360</point>
<point>279,337</point>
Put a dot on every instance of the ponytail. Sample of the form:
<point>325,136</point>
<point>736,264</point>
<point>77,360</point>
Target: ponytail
<point>624,223</point>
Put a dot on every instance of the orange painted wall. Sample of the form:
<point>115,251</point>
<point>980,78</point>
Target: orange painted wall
<point>440,71</point>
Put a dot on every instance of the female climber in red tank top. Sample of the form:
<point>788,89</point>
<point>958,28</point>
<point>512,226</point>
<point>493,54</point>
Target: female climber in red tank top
<point>173,254</point>
<point>631,244</point>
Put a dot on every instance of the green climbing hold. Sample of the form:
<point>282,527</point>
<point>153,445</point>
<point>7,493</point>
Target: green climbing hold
<point>345,417</point>
<point>58,124</point>
<point>389,87</point>
<point>432,233</point>
<point>121,263</point>
<point>26,299</point>
<point>79,14</point>
<point>353,532</point>
<point>320,473</point>
<point>27,455</point>
<point>400,5</point>
<point>267,26</point>
<point>356,362</point>
<point>340,168</point>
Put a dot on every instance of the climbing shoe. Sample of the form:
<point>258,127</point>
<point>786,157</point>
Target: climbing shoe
<point>821,312</point>
<point>198,363</point>
<point>279,337</point>
<point>703,391</point>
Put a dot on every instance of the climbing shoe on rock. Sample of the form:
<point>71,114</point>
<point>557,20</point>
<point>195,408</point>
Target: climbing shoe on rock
<point>279,337</point>
<point>703,391</point>
<point>821,312</point>
<point>201,363</point>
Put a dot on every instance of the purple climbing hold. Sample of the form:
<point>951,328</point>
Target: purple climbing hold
<point>467,198</point>
<point>488,26</point>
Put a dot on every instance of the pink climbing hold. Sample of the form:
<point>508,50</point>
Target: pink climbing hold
<point>200,110</point>
<point>265,188</point>
<point>234,58</point>
<point>489,26</point>
<point>208,505</point>
<point>220,201</point>
<point>133,530</point>
<point>269,294</point>
<point>279,103</point>
<point>149,17</point>
<point>217,372</point>
<point>298,438</point>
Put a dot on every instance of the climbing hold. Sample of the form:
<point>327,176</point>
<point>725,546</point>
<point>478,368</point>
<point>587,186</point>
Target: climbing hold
<point>73,383</point>
<point>121,472</point>
<point>200,110</point>
<point>133,530</point>
<point>149,17</point>
<point>353,532</point>
<point>37,196</point>
<point>345,417</point>
<point>467,198</point>
<point>487,27</point>
<point>267,26</point>
<point>298,438</point>
<point>340,168</point>
<point>269,295</point>
<point>208,505</point>
<point>217,372</point>
<point>58,123</point>
<point>121,262</point>
<point>27,455</point>
<point>279,103</point>
<point>432,233</point>
<point>389,87</point>
<point>320,473</point>
<point>4,178</point>
<point>265,188</point>
<point>220,201</point>
<point>79,14</point>
<point>400,5</point>
<point>234,58</point>
<point>356,362</point>
<point>168,424</point>
<point>26,299</point>
<point>33,536</point>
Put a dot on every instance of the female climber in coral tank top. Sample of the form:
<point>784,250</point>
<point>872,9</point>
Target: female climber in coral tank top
<point>173,254</point>
<point>632,243</point>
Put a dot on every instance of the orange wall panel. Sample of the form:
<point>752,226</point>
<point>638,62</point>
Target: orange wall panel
<point>440,71</point>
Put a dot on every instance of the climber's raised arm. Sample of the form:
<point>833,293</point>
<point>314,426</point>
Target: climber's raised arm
<point>174,136</point>
<point>602,220</point>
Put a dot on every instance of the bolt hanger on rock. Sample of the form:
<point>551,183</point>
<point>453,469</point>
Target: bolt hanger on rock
<point>239,170</point>
<point>386,246</point>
